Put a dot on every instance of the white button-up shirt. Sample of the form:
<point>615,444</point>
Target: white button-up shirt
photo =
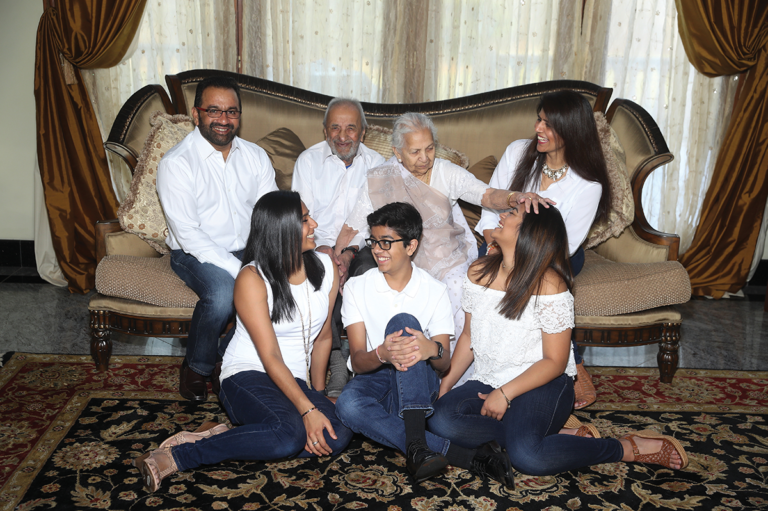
<point>368,298</point>
<point>576,198</point>
<point>329,188</point>
<point>208,201</point>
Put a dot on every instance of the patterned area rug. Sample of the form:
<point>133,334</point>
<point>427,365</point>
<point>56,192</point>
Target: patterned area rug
<point>68,436</point>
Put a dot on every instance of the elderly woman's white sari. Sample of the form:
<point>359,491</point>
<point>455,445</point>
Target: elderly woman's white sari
<point>447,246</point>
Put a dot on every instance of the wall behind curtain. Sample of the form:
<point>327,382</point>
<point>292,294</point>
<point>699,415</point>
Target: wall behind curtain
<point>400,51</point>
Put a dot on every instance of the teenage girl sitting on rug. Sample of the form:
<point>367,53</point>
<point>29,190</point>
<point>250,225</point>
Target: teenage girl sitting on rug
<point>282,341</point>
<point>519,316</point>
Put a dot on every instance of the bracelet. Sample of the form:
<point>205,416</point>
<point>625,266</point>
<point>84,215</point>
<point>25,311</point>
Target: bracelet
<point>509,403</point>
<point>509,197</point>
<point>310,410</point>
<point>377,355</point>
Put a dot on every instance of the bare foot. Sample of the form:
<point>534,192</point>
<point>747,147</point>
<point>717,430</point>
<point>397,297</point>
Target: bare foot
<point>649,446</point>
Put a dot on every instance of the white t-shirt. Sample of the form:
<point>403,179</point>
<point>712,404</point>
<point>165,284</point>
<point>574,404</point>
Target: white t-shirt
<point>368,298</point>
<point>505,348</point>
<point>241,354</point>
<point>329,188</point>
<point>577,199</point>
<point>207,201</point>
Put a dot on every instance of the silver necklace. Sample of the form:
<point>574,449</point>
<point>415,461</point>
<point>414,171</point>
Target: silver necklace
<point>305,336</point>
<point>554,174</point>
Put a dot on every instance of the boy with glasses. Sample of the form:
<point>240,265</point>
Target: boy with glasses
<point>399,324</point>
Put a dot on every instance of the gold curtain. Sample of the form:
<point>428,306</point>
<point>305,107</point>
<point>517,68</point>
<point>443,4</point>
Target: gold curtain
<point>724,38</point>
<point>73,165</point>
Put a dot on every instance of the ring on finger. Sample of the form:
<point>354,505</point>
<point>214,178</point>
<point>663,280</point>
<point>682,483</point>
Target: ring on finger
<point>316,442</point>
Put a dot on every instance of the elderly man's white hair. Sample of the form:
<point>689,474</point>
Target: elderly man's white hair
<point>345,101</point>
<point>408,123</point>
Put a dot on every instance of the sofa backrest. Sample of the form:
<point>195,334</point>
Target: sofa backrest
<point>479,125</point>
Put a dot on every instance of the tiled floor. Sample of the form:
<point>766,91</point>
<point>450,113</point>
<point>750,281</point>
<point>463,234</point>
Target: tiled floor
<point>37,317</point>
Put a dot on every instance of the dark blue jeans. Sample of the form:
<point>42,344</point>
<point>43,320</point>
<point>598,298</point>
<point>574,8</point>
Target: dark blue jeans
<point>529,429</point>
<point>215,287</point>
<point>373,403</point>
<point>268,425</point>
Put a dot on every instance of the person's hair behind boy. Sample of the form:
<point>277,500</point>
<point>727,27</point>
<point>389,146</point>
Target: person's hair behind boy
<point>399,322</point>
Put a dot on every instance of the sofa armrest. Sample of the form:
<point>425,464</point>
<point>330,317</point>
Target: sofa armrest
<point>127,243</point>
<point>104,227</point>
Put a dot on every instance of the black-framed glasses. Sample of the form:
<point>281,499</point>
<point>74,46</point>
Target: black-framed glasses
<point>215,113</point>
<point>383,244</point>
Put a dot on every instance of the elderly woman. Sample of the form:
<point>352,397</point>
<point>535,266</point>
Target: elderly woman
<point>433,186</point>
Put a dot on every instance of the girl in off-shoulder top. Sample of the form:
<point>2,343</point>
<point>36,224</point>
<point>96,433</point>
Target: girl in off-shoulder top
<point>519,316</point>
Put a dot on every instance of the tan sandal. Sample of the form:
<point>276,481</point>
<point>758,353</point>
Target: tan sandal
<point>581,429</point>
<point>664,455</point>
<point>208,429</point>
<point>584,388</point>
<point>151,467</point>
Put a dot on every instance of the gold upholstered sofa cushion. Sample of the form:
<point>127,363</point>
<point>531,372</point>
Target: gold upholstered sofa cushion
<point>143,279</point>
<point>607,288</point>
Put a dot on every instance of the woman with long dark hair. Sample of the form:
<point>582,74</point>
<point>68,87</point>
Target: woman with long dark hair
<point>519,316</point>
<point>274,368</point>
<point>562,163</point>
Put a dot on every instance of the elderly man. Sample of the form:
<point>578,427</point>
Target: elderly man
<point>208,184</point>
<point>329,176</point>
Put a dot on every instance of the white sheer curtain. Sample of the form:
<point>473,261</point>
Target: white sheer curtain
<point>634,47</point>
<point>174,36</point>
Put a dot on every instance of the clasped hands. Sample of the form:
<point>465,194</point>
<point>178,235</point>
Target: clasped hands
<point>342,261</point>
<point>405,348</point>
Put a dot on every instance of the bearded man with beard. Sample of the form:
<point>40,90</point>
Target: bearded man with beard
<point>208,184</point>
<point>329,176</point>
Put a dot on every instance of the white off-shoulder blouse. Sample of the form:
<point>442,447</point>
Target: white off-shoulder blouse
<point>505,348</point>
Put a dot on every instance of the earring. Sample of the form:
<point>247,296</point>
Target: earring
<point>399,160</point>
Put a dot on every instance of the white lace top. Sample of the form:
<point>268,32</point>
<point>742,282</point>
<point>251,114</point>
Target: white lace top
<point>505,348</point>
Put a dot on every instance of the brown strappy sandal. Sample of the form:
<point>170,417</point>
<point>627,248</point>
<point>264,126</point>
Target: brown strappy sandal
<point>581,429</point>
<point>151,467</point>
<point>664,455</point>
<point>584,388</point>
<point>208,429</point>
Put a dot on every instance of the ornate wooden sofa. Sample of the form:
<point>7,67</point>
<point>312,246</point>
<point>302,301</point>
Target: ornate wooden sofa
<point>480,126</point>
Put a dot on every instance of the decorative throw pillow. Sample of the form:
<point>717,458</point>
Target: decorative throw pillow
<point>141,213</point>
<point>379,139</point>
<point>482,170</point>
<point>622,203</point>
<point>283,147</point>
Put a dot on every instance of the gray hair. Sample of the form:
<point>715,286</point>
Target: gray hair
<point>408,123</point>
<point>345,101</point>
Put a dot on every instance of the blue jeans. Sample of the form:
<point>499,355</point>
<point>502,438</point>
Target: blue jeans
<point>215,287</point>
<point>269,426</point>
<point>373,403</point>
<point>528,430</point>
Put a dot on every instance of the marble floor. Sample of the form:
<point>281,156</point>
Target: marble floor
<point>36,317</point>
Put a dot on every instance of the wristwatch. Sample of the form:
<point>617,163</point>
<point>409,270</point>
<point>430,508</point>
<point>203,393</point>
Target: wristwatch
<point>439,352</point>
<point>352,248</point>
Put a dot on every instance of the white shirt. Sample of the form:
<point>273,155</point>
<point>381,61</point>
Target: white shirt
<point>451,180</point>
<point>329,188</point>
<point>368,298</point>
<point>241,354</point>
<point>577,199</point>
<point>208,202</point>
<point>505,348</point>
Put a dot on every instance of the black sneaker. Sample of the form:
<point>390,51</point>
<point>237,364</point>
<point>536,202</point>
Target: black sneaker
<point>423,463</point>
<point>491,461</point>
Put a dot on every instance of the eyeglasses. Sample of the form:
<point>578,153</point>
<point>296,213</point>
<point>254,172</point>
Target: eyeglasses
<point>383,244</point>
<point>215,113</point>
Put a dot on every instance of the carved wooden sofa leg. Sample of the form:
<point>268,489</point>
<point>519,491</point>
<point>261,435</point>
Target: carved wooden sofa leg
<point>101,339</point>
<point>669,347</point>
